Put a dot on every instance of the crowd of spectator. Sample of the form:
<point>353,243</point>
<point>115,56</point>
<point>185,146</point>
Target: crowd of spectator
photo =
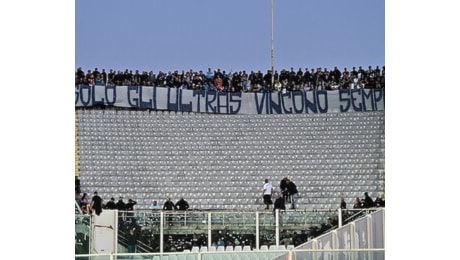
<point>241,81</point>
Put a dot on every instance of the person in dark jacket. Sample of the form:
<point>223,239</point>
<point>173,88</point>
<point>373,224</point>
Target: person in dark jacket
<point>169,205</point>
<point>111,204</point>
<point>120,205</point>
<point>278,204</point>
<point>368,201</point>
<point>96,204</point>
<point>131,238</point>
<point>130,208</point>
<point>292,190</point>
<point>182,204</point>
<point>130,205</point>
<point>283,188</point>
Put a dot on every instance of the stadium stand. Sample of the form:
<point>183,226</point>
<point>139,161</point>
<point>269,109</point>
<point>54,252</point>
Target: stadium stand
<point>220,161</point>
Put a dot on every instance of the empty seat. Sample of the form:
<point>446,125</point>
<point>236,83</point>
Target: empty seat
<point>247,248</point>
<point>274,247</point>
<point>162,147</point>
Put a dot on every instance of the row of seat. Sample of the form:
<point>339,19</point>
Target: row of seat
<point>193,127</point>
<point>225,158</point>
<point>128,134</point>
<point>306,153</point>
<point>239,248</point>
<point>267,168</point>
<point>132,157</point>
<point>172,114</point>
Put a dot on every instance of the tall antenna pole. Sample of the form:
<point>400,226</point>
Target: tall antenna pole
<point>272,52</point>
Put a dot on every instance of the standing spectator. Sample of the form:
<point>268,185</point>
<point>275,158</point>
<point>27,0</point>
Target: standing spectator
<point>343,207</point>
<point>292,191</point>
<point>368,201</point>
<point>245,81</point>
<point>131,238</point>
<point>343,204</point>
<point>209,76</point>
<point>79,76</point>
<point>169,206</point>
<point>111,204</point>
<point>104,76</point>
<point>77,185</point>
<point>96,73</point>
<point>120,205</point>
<point>89,78</point>
<point>267,194</point>
<point>283,188</point>
<point>337,75</point>
<point>182,204</point>
<point>130,208</point>
<point>111,77</point>
<point>278,205</point>
<point>130,205</point>
<point>96,203</point>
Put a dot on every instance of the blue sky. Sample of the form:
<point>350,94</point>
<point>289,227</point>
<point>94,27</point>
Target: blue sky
<point>231,35</point>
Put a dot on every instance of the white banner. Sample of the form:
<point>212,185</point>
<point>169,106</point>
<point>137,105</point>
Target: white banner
<point>295,102</point>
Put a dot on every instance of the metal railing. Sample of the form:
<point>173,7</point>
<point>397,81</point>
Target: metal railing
<point>313,254</point>
<point>249,228</point>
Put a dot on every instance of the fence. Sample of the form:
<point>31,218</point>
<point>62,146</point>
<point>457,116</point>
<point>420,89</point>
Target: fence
<point>164,233</point>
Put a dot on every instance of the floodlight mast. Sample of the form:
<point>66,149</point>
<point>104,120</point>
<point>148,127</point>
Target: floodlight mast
<point>272,51</point>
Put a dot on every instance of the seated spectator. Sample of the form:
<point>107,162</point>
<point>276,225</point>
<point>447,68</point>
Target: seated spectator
<point>83,201</point>
<point>155,205</point>
<point>357,203</point>
<point>277,86</point>
<point>220,242</point>
<point>380,201</point>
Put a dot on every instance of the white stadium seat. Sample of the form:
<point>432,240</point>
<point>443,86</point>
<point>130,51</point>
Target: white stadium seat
<point>159,153</point>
